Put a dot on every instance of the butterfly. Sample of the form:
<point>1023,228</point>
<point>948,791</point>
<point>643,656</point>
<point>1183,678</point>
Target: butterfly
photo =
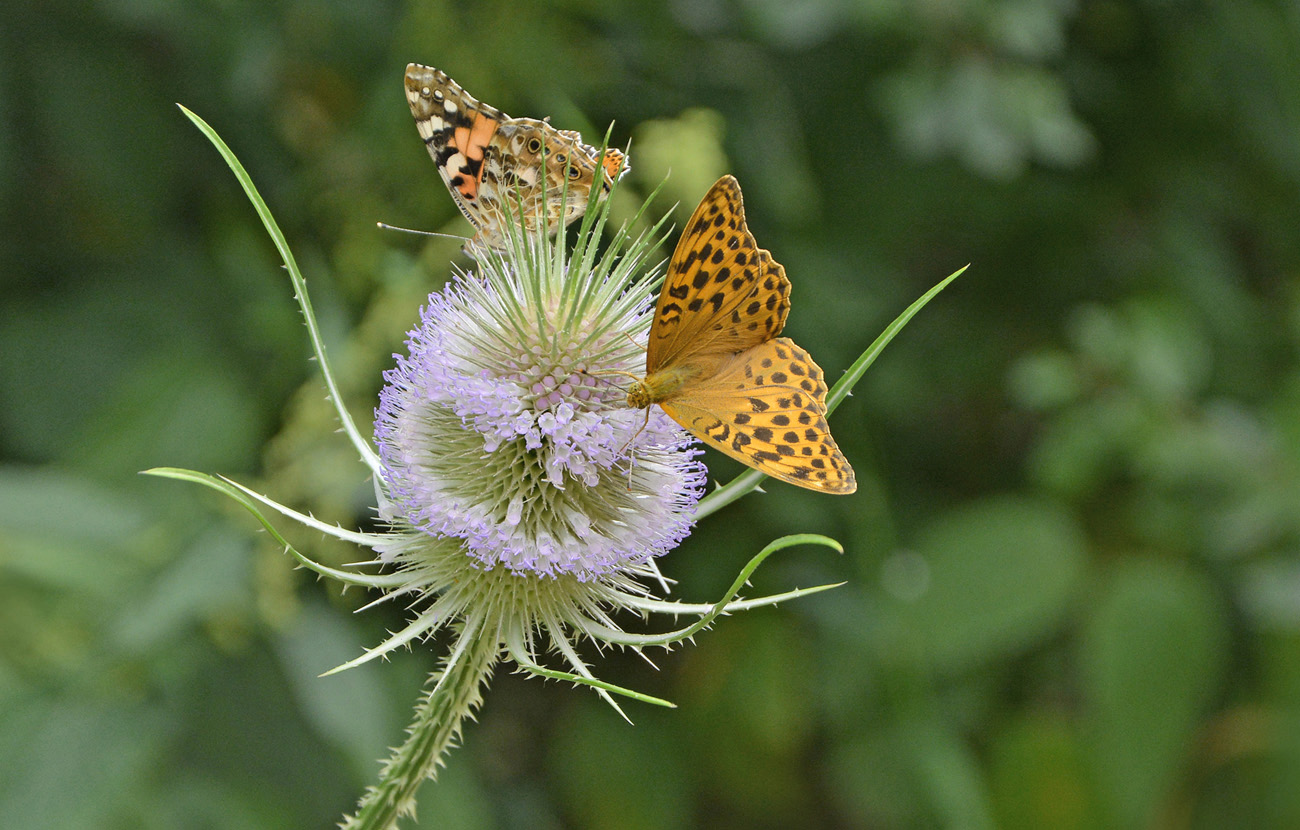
<point>493,163</point>
<point>715,364</point>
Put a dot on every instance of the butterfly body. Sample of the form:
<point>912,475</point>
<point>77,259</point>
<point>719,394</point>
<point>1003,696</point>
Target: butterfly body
<point>661,386</point>
<point>715,364</point>
<point>496,166</point>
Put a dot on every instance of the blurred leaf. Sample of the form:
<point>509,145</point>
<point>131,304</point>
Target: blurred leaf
<point>211,577</point>
<point>1040,775</point>
<point>1151,659</point>
<point>950,775</point>
<point>1002,575</point>
<point>596,753</point>
<point>458,799</point>
<point>104,752</point>
<point>869,782</point>
<point>994,117</point>
<point>62,531</point>
<point>687,150</point>
<point>352,709</point>
<point>743,693</point>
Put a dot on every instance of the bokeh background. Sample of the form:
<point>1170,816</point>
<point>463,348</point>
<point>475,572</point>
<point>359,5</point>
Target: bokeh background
<point>1072,593</point>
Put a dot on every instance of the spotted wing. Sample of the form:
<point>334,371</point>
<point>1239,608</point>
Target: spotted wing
<point>615,163</point>
<point>536,158</point>
<point>458,130</point>
<point>766,407</point>
<point>723,293</point>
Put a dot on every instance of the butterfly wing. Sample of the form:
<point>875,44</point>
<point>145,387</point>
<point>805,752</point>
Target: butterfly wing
<point>766,407</point>
<point>615,163</point>
<point>723,293</point>
<point>458,130</point>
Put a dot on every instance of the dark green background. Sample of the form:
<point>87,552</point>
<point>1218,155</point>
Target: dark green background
<point>1073,595</point>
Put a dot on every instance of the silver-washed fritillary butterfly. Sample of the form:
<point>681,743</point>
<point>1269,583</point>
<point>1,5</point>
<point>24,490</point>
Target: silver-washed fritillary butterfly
<point>714,362</point>
<point>491,161</point>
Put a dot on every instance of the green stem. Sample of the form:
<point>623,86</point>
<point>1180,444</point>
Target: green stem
<point>437,724</point>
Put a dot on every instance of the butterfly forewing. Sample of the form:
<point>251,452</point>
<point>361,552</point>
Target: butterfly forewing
<point>767,408</point>
<point>457,129</point>
<point>722,293</point>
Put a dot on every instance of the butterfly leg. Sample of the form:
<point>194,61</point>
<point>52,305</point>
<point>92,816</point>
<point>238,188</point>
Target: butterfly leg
<point>631,457</point>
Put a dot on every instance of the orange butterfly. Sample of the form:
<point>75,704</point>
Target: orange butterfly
<point>714,362</point>
<point>491,161</point>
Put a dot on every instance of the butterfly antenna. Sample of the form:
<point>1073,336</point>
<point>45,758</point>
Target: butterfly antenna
<point>602,375</point>
<point>389,227</point>
<point>632,340</point>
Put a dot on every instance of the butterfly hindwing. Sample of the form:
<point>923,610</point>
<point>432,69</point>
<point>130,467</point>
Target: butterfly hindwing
<point>766,407</point>
<point>722,293</point>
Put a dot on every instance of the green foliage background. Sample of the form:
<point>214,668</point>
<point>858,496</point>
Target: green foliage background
<point>1073,595</point>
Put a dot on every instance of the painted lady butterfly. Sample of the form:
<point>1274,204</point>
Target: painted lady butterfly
<point>491,161</point>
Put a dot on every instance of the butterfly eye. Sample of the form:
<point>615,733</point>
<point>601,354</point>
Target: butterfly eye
<point>534,145</point>
<point>561,159</point>
<point>574,172</point>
